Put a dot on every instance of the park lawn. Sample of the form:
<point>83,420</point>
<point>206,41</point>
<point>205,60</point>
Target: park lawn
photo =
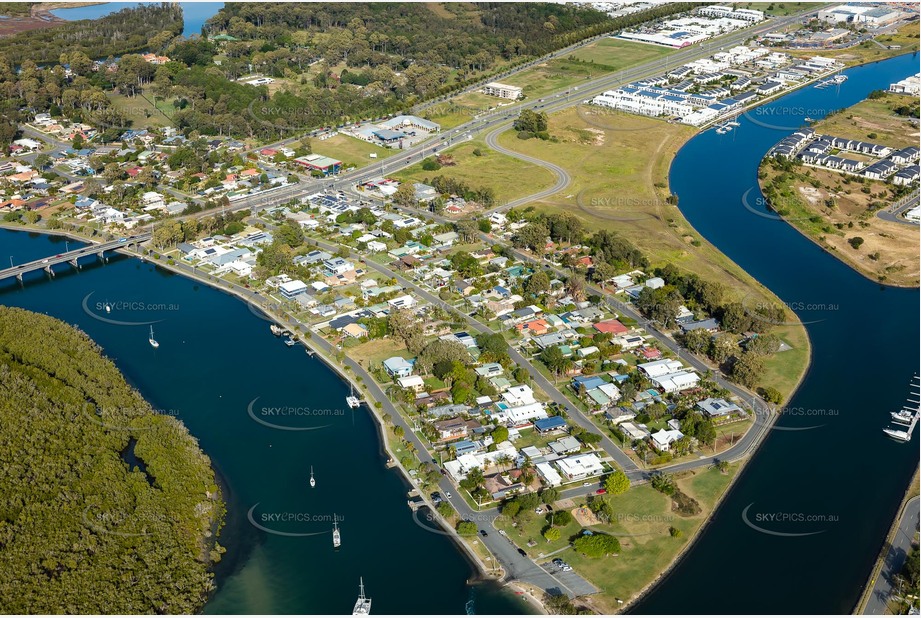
<point>868,51</point>
<point>140,111</point>
<point>532,529</point>
<point>351,150</point>
<point>509,177</point>
<point>646,516</point>
<point>619,166</point>
<point>873,120</point>
<point>617,54</point>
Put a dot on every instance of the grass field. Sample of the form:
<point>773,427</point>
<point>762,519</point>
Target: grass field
<point>874,120</point>
<point>351,150</point>
<point>617,54</point>
<point>619,165</point>
<point>779,9</point>
<point>140,111</point>
<point>509,177</point>
<point>642,521</point>
<point>463,108</point>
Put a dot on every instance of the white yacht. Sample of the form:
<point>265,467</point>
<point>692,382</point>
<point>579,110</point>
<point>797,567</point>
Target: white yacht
<point>153,342</point>
<point>363,604</point>
<point>337,538</point>
<point>352,400</point>
<point>313,481</point>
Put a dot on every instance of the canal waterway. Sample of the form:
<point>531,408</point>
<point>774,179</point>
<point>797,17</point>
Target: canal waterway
<point>802,526</point>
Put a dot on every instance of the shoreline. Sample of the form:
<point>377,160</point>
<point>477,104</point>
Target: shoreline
<point>835,254</point>
<point>910,493</point>
<point>470,556</point>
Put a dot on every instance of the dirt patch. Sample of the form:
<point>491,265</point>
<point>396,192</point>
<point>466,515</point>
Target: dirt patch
<point>585,517</point>
<point>684,505</point>
<point>812,195</point>
<point>599,136</point>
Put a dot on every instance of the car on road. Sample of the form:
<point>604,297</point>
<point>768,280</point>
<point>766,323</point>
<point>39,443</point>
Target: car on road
<point>483,533</point>
<point>522,552</point>
<point>448,495</point>
<point>44,261</point>
<point>122,239</point>
<point>586,484</point>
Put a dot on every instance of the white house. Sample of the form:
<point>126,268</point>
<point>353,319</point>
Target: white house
<point>290,289</point>
<point>412,382</point>
<point>520,395</point>
<point>664,438</point>
<point>662,367</point>
<point>550,476</point>
<point>678,381</point>
<point>580,466</point>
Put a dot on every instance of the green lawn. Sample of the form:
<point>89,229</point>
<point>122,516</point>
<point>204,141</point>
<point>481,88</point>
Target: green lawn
<point>140,111</point>
<point>643,518</point>
<point>779,9</point>
<point>351,150</point>
<point>510,178</point>
<point>617,54</point>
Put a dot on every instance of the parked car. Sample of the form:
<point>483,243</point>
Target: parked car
<point>522,552</point>
<point>601,491</point>
<point>483,533</point>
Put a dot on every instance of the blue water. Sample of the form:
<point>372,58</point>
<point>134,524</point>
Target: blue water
<point>865,350</point>
<point>195,14</point>
<point>215,358</point>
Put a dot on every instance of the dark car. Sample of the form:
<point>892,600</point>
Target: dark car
<point>522,552</point>
<point>483,533</point>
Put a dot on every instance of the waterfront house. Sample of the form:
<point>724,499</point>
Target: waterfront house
<point>398,367</point>
<point>718,407</point>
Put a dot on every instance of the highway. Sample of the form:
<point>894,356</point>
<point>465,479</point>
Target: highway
<point>502,119</point>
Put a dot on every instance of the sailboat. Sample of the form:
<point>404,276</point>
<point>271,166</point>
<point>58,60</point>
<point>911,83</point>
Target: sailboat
<point>313,481</point>
<point>153,342</point>
<point>352,400</point>
<point>363,604</point>
<point>337,539</point>
<point>108,307</point>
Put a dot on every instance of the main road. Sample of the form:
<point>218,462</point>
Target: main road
<point>885,583</point>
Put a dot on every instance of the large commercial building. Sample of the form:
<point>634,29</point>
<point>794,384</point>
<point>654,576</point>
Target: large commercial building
<point>718,10</point>
<point>503,91</point>
<point>867,14</point>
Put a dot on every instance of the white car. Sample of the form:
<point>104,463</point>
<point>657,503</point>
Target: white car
<point>539,511</point>
<point>448,495</point>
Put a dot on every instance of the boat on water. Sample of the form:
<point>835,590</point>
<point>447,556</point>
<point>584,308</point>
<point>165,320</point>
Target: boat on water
<point>808,119</point>
<point>290,342</point>
<point>276,330</point>
<point>908,415</point>
<point>352,400</point>
<point>153,342</point>
<point>733,123</point>
<point>897,434</point>
<point>313,481</point>
<point>721,130</point>
<point>108,307</point>
<point>839,79</point>
<point>363,604</point>
<point>337,538</point>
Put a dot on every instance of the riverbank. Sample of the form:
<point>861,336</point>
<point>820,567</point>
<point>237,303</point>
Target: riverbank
<point>348,370</point>
<point>912,491</point>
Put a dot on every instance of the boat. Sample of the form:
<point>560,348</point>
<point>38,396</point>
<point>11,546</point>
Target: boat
<point>363,604</point>
<point>153,342</point>
<point>903,416</point>
<point>309,351</point>
<point>839,79</point>
<point>290,342</point>
<point>337,538</point>
<point>276,330</point>
<point>108,307</point>
<point>722,130</point>
<point>313,481</point>
<point>808,119</point>
<point>352,400</point>
<point>734,123</point>
<point>897,434</point>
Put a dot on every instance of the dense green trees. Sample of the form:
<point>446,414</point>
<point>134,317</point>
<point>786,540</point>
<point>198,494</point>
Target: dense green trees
<point>596,545</point>
<point>81,531</point>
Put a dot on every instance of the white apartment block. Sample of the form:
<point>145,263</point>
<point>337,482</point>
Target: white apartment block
<point>503,91</point>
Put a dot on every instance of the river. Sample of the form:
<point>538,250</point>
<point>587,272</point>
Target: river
<point>826,479</point>
<point>215,358</point>
<point>194,14</point>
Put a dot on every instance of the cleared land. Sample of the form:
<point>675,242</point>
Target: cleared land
<point>619,165</point>
<point>510,178</point>
<point>834,209</point>
<point>351,150</point>
<point>140,111</point>
<point>642,519</point>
